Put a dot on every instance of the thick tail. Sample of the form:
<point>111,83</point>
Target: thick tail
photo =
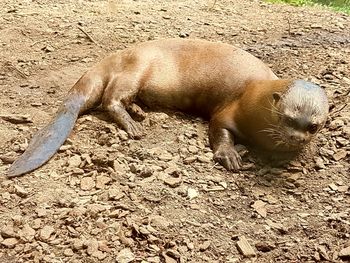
<point>48,140</point>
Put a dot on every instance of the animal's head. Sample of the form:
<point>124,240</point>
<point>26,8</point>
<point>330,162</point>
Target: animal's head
<point>302,111</point>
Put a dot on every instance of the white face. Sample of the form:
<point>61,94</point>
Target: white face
<point>303,110</point>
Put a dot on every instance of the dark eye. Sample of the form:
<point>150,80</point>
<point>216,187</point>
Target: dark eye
<point>313,128</point>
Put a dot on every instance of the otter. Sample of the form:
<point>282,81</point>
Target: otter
<point>239,95</point>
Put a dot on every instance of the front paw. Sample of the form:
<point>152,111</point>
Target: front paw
<point>228,157</point>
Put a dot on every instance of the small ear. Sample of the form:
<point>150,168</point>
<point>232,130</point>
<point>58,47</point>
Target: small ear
<point>276,97</point>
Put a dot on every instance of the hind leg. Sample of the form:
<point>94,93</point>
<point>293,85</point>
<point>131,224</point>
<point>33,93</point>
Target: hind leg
<point>118,97</point>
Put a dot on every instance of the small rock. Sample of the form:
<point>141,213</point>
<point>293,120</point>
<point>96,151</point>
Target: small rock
<point>278,226</point>
<point>21,192</point>
<point>118,168</point>
<point>204,246</point>
<point>74,161</point>
<point>123,135</point>
<point>87,183</point>
<point>92,246</point>
<point>319,163</point>
<point>8,231</point>
<point>183,34</point>
<point>333,187</point>
<point>27,233</point>
<point>203,159</point>
<point>168,259</point>
<point>193,149</point>
<point>36,223</point>
<point>260,208</point>
<point>78,244</point>
<point>341,154</point>
<point>166,156</point>
<point>192,193</point>
<point>160,222</point>
<point>173,181</point>
<point>41,212</point>
<point>48,49</point>
<point>16,119</point>
<point>46,232</point>
<point>101,181</point>
<point>115,194</point>
<point>343,188</point>
<point>125,256</point>
<point>68,252</point>
<point>190,159</point>
<point>245,248</point>
<point>10,242</point>
<point>345,253</point>
<point>323,252</point>
<point>316,26</point>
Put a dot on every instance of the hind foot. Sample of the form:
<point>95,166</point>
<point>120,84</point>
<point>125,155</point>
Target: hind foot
<point>123,119</point>
<point>133,129</point>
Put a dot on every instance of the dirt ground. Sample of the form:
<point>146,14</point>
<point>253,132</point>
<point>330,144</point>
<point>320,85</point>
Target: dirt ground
<point>106,198</point>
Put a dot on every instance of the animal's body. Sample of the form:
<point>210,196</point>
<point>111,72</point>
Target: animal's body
<point>236,91</point>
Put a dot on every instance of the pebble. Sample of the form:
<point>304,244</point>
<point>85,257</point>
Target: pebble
<point>193,149</point>
<point>341,154</point>
<point>46,232</point>
<point>204,246</point>
<point>203,159</point>
<point>260,208</point>
<point>192,193</point>
<point>122,135</point>
<point>92,246</point>
<point>125,256</point>
<point>27,233</point>
<point>41,212</point>
<point>160,222</point>
<point>190,159</point>
<point>115,194</point>
<point>173,181</point>
<point>87,183</point>
<point>333,187</point>
<point>345,253</point>
<point>78,244</point>
<point>319,163</point>
<point>316,26</point>
<point>245,248</point>
<point>8,231</point>
<point>74,161</point>
<point>68,252</point>
<point>10,242</point>
<point>36,223</point>
<point>101,181</point>
<point>20,191</point>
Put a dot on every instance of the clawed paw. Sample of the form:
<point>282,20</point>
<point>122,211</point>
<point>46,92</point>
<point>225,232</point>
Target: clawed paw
<point>228,157</point>
<point>134,130</point>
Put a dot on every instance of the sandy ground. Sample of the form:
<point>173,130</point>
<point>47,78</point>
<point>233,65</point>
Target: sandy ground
<point>106,198</point>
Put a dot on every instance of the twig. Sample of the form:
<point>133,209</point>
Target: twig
<point>211,8</point>
<point>21,73</point>
<point>289,26</point>
<point>339,110</point>
<point>89,37</point>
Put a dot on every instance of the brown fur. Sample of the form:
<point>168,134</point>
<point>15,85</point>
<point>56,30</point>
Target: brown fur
<point>227,85</point>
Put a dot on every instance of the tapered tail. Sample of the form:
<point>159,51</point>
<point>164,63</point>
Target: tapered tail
<point>48,140</point>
